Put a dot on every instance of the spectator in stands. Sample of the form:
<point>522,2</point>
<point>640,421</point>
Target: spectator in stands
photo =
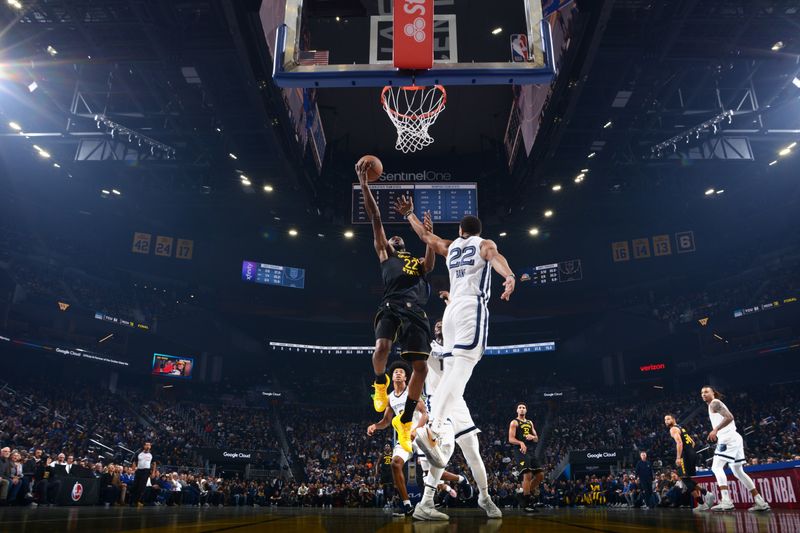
<point>5,473</point>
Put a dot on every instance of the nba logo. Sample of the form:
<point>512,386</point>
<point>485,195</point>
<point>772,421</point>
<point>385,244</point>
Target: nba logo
<point>519,48</point>
<point>77,492</point>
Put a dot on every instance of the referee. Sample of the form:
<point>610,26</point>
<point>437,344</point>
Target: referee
<point>143,463</point>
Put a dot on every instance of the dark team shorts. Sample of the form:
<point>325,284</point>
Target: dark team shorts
<point>407,326</point>
<point>386,476</point>
<point>688,467</point>
<point>526,462</point>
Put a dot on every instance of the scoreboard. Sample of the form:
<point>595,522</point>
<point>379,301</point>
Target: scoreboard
<point>282,276</point>
<point>447,202</point>
<point>553,273</point>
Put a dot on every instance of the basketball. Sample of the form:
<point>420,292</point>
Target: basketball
<point>375,169</point>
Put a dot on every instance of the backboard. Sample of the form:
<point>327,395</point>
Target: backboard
<point>350,43</point>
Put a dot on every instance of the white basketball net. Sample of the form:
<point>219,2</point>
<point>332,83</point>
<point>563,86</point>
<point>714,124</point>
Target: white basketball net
<point>413,110</point>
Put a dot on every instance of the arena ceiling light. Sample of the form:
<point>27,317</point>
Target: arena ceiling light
<point>56,165</point>
<point>16,4</point>
<point>777,46</point>
<point>709,192</point>
<point>607,125</point>
<point>556,187</point>
<point>293,232</point>
<point>720,191</point>
<point>44,153</point>
<point>348,234</point>
<point>246,182</point>
<point>584,170</point>
<point>591,155</point>
<point>14,126</point>
<point>115,191</point>
<point>503,233</point>
<point>268,188</point>
<point>785,151</point>
<point>774,163</point>
<point>548,213</point>
<point>533,232</point>
<point>232,156</point>
<point>52,51</point>
<point>796,82</point>
<point>497,31</point>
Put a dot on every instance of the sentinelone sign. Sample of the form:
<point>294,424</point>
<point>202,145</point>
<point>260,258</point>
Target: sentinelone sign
<point>422,175</point>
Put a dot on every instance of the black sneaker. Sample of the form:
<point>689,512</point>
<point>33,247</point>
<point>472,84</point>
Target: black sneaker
<point>406,510</point>
<point>465,490</point>
<point>530,506</point>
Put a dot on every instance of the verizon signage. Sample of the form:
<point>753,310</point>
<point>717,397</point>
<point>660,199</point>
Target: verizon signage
<point>657,367</point>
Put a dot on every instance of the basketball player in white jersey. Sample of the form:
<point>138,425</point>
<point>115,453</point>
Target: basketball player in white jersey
<point>730,451</point>
<point>465,430</point>
<point>470,260</point>
<point>400,374</point>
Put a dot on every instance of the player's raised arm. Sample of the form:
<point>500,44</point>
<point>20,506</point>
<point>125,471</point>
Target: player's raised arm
<point>405,207</point>
<point>430,255</point>
<point>371,207</point>
<point>489,252</point>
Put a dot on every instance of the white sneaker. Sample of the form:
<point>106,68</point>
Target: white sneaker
<point>428,441</point>
<point>486,503</point>
<point>426,511</point>
<point>724,505</point>
<point>701,507</point>
<point>760,506</point>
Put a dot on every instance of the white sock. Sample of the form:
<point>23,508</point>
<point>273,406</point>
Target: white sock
<point>470,447</point>
<point>760,500</point>
<point>406,502</point>
<point>725,495</point>
<point>461,478</point>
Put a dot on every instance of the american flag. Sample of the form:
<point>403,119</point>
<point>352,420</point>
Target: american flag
<point>313,57</point>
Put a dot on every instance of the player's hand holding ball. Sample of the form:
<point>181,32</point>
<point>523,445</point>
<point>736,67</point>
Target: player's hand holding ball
<point>369,168</point>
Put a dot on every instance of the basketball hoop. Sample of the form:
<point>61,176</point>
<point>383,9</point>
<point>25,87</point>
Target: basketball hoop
<point>413,110</point>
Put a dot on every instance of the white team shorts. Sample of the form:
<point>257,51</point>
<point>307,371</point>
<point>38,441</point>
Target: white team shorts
<point>400,452</point>
<point>465,326</point>
<point>730,448</point>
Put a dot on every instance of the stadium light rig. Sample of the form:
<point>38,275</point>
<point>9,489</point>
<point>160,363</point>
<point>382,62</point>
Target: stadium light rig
<point>117,131</point>
<point>711,125</point>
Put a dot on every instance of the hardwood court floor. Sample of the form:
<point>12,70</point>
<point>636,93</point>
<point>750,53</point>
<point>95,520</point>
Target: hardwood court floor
<point>246,520</point>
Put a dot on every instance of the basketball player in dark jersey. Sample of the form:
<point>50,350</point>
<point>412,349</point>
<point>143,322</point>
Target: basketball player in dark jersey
<point>685,460</point>
<point>385,471</point>
<point>521,433</point>
<point>400,317</point>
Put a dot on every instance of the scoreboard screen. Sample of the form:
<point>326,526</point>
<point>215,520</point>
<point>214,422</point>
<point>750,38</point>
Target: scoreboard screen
<point>553,273</point>
<point>447,202</point>
<point>282,276</point>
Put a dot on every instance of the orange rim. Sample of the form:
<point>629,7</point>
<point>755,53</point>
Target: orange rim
<point>415,88</point>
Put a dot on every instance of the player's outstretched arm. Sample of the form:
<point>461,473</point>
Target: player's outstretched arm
<point>430,255</point>
<point>373,213</point>
<point>405,207</point>
<point>489,252</point>
<point>383,424</point>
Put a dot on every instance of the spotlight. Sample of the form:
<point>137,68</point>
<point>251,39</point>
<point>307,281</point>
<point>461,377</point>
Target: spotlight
<point>115,191</point>
<point>44,154</point>
<point>533,232</point>
<point>777,46</point>
<point>796,82</point>
<point>584,170</point>
<point>293,232</point>
<point>497,31</point>
<point>348,234</point>
<point>33,86</point>
<point>56,165</point>
<point>709,192</point>
<point>785,151</point>
<point>556,188</point>
<point>14,126</point>
<point>720,191</point>
<point>607,125</point>
<point>246,182</point>
<point>105,191</point>
<point>52,51</point>
<point>548,213</point>
<point>774,163</point>
<point>503,233</point>
<point>591,155</point>
<point>232,156</point>
<point>268,188</point>
<point>16,4</point>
